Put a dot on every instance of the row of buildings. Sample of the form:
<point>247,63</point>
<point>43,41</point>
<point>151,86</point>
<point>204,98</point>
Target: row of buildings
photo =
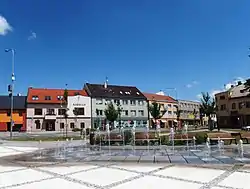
<point>43,109</point>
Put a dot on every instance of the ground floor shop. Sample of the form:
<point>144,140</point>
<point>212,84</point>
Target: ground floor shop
<point>19,121</point>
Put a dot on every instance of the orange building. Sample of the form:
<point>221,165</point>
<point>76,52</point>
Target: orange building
<point>19,113</point>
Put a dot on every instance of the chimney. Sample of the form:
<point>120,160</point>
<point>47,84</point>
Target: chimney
<point>106,83</point>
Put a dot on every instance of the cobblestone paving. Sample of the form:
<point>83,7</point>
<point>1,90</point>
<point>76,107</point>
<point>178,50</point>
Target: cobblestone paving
<point>115,175</point>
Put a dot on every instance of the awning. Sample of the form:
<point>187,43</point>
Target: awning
<point>163,121</point>
<point>175,121</point>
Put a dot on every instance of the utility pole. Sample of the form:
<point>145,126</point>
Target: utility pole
<point>11,90</point>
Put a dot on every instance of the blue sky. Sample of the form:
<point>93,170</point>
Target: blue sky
<point>191,45</point>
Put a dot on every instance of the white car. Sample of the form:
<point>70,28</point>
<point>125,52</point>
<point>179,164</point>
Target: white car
<point>247,128</point>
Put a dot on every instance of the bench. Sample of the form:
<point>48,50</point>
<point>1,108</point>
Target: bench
<point>183,137</point>
<point>223,136</point>
<point>245,136</point>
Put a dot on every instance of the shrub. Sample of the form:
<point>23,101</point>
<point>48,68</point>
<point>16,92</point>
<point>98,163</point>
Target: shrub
<point>128,136</point>
<point>76,130</point>
<point>200,137</point>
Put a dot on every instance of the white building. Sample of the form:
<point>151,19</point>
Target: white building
<point>46,112</point>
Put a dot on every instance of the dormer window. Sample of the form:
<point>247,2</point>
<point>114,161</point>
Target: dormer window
<point>77,93</point>
<point>47,98</point>
<point>128,93</point>
<point>35,98</point>
<point>137,93</point>
<point>121,92</point>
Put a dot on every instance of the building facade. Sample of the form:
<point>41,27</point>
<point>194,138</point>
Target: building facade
<point>187,114</point>
<point>233,107</point>
<point>46,110</point>
<point>133,104</point>
<point>18,116</point>
<point>168,105</point>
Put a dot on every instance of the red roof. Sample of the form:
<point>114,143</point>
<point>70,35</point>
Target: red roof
<point>160,98</point>
<point>37,95</point>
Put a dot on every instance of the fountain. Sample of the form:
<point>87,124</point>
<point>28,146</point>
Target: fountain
<point>186,133</point>
<point>108,132</point>
<point>100,137</point>
<point>172,138</point>
<point>133,134</point>
<point>158,130</point>
<point>123,137</point>
<point>241,152</point>
<point>208,153</point>
<point>148,141</point>
<point>40,151</point>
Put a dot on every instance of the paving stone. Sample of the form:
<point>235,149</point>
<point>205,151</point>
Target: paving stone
<point>132,158</point>
<point>162,159</point>
<point>118,158</point>
<point>177,159</point>
<point>147,159</point>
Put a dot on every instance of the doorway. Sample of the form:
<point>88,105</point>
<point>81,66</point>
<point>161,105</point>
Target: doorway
<point>50,126</point>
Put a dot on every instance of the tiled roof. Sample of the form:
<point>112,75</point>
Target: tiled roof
<point>36,95</point>
<point>160,98</point>
<point>19,102</point>
<point>113,91</point>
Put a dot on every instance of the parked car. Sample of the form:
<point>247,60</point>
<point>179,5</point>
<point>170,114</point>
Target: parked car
<point>246,128</point>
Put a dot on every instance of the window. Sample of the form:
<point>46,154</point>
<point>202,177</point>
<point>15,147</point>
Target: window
<point>233,106</point>
<point>72,125</point>
<point>169,112</point>
<point>61,111</point>
<point>133,112</point>
<point>79,111</point>
<point>117,101</point>
<point>223,107</point>
<point>20,113</point>
<point>169,106</point>
<point>38,111</point>
<point>240,105</point>
<point>222,97</point>
<point>99,101</point>
<point>141,102</point>
<point>35,98</point>
<point>47,98</point>
<point>125,112</point>
<point>141,113</point>
<point>59,97</point>
<point>82,125</point>
<point>50,111</point>
<point>125,102</point>
<point>38,124</point>
<point>175,112</point>
<point>108,101</point>
<point>99,112</point>
<point>247,104</point>
<point>61,125</point>
<point>132,102</point>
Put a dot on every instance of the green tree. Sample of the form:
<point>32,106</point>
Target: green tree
<point>65,112</point>
<point>208,107</point>
<point>111,113</point>
<point>156,111</point>
<point>195,113</point>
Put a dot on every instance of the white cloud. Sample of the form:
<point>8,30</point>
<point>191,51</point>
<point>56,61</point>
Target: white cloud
<point>226,87</point>
<point>190,85</point>
<point>32,36</point>
<point>4,26</point>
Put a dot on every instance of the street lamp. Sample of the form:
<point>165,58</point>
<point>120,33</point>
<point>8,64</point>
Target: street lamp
<point>11,89</point>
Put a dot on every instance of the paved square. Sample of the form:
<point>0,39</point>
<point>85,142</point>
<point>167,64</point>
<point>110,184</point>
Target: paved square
<point>191,173</point>
<point>237,180</point>
<point>103,176</point>
<point>149,182</point>
<point>20,177</point>
<point>51,184</point>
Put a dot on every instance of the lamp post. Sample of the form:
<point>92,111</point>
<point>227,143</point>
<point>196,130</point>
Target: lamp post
<point>11,89</point>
